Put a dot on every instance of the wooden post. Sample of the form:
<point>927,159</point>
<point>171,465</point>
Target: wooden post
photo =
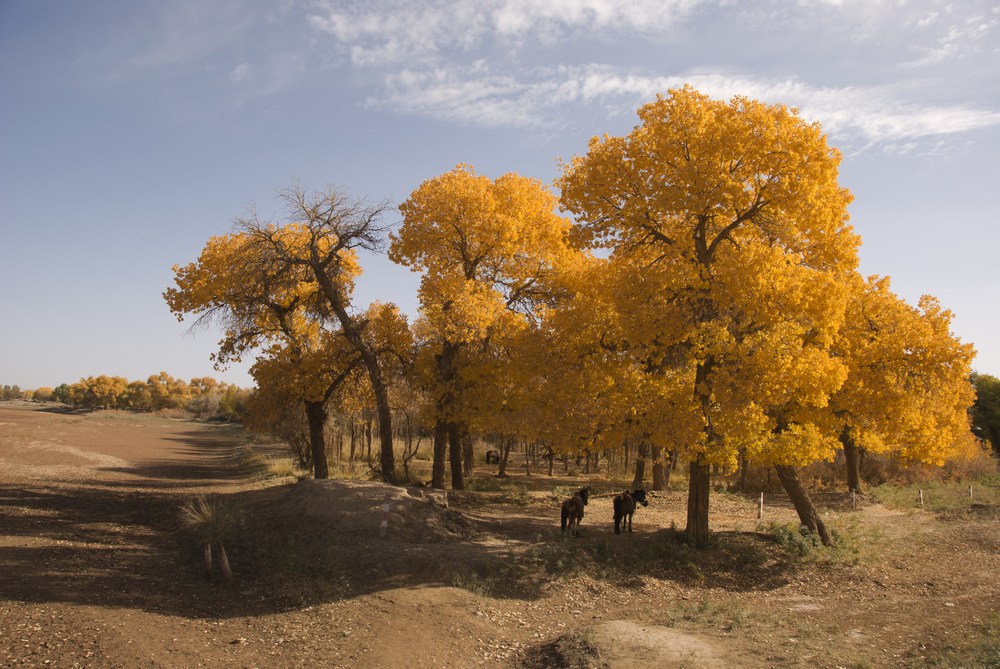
<point>383,527</point>
<point>760,508</point>
<point>921,499</point>
<point>970,492</point>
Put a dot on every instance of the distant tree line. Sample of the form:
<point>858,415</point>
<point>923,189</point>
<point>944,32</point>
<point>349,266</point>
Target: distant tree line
<point>204,397</point>
<point>13,393</point>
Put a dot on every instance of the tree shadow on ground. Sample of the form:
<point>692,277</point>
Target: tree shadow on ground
<point>91,546</point>
<point>102,545</point>
<point>117,541</point>
<point>503,550</point>
<point>199,458</point>
<point>66,410</point>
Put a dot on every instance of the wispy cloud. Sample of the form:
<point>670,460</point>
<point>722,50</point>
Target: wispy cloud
<point>496,62</point>
<point>379,33</point>
<point>546,96</point>
<point>178,36</point>
<point>965,35</point>
<point>240,73</point>
<point>383,33</point>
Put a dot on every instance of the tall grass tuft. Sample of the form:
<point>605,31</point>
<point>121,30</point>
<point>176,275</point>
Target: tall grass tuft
<point>214,523</point>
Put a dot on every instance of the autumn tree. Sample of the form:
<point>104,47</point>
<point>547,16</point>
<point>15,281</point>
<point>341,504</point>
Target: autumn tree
<point>907,390</point>
<point>262,302</point>
<point>586,379</point>
<point>98,392</point>
<point>332,228</point>
<point>42,394</point>
<point>731,214</point>
<point>487,250</point>
<point>166,392</point>
<point>288,288</point>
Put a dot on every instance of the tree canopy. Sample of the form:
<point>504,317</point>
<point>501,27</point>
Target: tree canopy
<point>731,216</point>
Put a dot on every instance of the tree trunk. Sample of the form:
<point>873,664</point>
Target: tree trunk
<point>506,444</point>
<point>701,472</point>
<point>368,439</point>
<point>853,461</point>
<point>640,466</point>
<point>803,504</point>
<point>354,441</point>
<point>697,505</point>
<point>659,480</point>
<point>316,416</point>
<point>370,359</point>
<point>443,408</point>
<point>440,454</point>
<point>468,453</point>
<point>744,465</point>
<point>455,453</point>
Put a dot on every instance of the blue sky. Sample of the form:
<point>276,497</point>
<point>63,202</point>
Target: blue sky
<point>130,132</point>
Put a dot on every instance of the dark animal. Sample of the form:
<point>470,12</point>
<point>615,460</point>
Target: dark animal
<point>572,511</point>
<point>492,457</point>
<point>625,507</point>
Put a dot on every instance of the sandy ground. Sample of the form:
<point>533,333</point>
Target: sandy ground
<point>94,571</point>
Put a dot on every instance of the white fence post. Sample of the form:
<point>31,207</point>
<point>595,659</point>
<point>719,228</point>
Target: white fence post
<point>383,527</point>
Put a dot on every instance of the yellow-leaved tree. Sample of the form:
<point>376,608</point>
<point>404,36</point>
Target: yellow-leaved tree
<point>605,379</point>
<point>730,217</point>
<point>287,289</point>
<point>261,303</point>
<point>908,386</point>
<point>488,251</point>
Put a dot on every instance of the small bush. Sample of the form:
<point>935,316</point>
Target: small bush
<point>796,539</point>
<point>517,496</point>
<point>485,484</point>
<point>279,467</point>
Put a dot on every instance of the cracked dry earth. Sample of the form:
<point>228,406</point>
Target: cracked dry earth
<point>94,571</point>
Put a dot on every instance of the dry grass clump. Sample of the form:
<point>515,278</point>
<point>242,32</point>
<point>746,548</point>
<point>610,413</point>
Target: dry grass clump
<point>214,523</point>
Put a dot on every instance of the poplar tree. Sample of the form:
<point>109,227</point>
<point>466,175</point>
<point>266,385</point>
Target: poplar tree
<point>730,215</point>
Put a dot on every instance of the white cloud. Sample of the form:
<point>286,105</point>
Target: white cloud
<point>382,33</point>
<point>240,73</point>
<point>966,35</point>
<point>546,96</point>
<point>475,61</point>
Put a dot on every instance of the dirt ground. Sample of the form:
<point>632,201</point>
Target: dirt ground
<point>96,572</point>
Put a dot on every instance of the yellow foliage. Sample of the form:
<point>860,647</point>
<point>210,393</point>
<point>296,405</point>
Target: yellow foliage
<point>491,253</point>
<point>486,248</point>
<point>908,387</point>
<point>729,244</point>
<point>257,285</point>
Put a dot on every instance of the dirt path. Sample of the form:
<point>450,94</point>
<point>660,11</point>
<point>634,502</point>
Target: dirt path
<point>93,572</point>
